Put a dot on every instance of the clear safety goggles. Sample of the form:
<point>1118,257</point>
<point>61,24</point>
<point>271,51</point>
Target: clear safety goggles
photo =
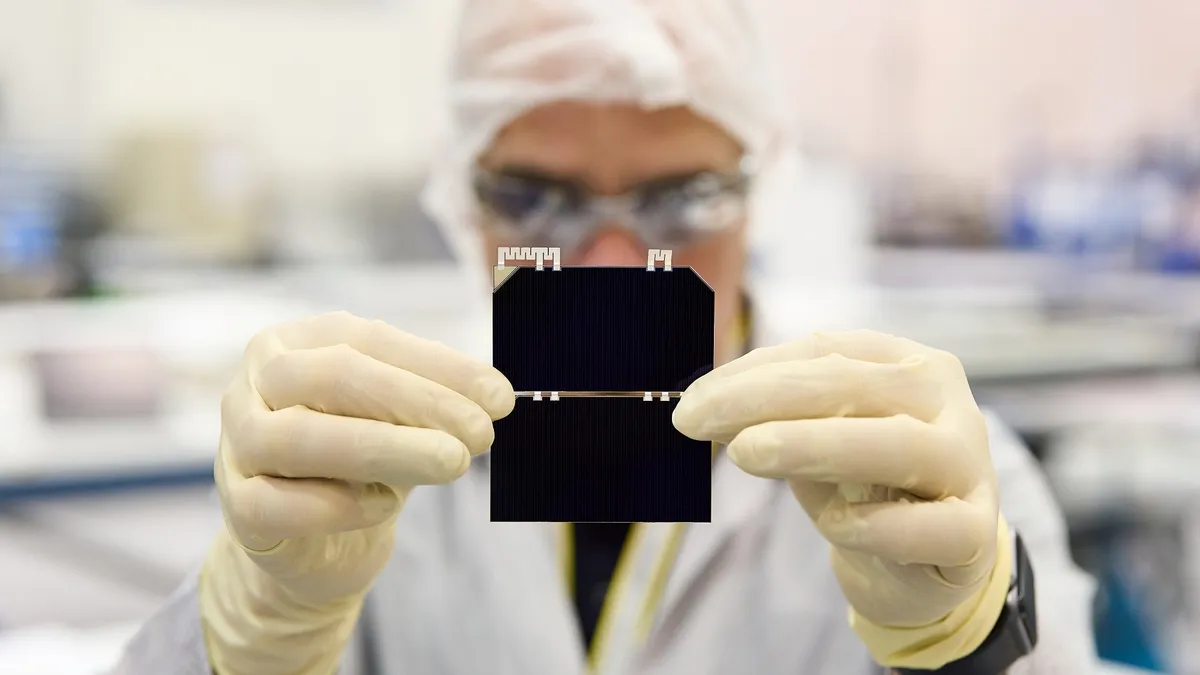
<point>672,213</point>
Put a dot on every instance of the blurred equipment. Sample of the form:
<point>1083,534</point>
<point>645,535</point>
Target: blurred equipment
<point>917,211</point>
<point>362,222</point>
<point>195,198</point>
<point>1129,490</point>
<point>29,236</point>
<point>82,220</point>
<point>398,228</point>
<point>100,383</point>
<point>1137,211</point>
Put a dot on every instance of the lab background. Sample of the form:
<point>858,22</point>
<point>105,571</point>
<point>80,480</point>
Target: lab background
<point>1017,182</point>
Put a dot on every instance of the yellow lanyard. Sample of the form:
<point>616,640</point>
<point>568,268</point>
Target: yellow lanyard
<point>631,563</point>
<point>640,617</point>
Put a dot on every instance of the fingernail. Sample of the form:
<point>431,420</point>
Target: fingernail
<point>495,394</point>
<point>684,420</point>
<point>478,433</point>
<point>757,452</point>
<point>680,415</point>
<point>834,516</point>
<point>377,502</point>
<point>453,456</point>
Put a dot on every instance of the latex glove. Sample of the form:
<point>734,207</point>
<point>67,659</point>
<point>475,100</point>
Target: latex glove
<point>329,425</point>
<point>883,445</point>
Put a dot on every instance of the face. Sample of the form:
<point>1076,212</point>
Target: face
<point>611,150</point>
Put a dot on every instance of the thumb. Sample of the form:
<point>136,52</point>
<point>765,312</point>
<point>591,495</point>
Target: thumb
<point>263,511</point>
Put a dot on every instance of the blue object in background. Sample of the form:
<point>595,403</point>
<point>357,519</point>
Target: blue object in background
<point>1118,215</point>
<point>1131,216</point>
<point>1021,232</point>
<point>29,236</point>
<point>1122,633</point>
<point>1022,229</point>
<point>1180,261</point>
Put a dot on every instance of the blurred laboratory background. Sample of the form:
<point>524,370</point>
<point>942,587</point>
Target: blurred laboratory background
<point>1017,182</point>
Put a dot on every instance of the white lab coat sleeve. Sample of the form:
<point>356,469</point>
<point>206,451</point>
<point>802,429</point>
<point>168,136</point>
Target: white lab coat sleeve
<point>172,640</point>
<point>1066,643</point>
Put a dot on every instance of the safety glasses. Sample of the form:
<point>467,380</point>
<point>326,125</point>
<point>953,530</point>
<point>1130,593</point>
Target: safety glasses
<point>672,213</point>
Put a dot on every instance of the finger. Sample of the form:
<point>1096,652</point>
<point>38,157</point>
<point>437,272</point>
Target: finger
<point>865,345</point>
<point>342,381</point>
<point>431,360</point>
<point>264,510</point>
<point>814,497</point>
<point>869,345</point>
<point>946,533</point>
<point>861,345</point>
<point>899,452</point>
<point>830,386</point>
<point>301,443</point>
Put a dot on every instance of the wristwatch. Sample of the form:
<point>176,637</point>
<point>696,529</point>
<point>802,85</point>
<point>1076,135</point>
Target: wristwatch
<point>1014,635</point>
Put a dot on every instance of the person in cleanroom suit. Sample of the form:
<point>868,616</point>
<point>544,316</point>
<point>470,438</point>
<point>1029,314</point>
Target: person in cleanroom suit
<point>863,504</point>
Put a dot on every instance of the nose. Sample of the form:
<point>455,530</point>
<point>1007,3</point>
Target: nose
<point>612,247</point>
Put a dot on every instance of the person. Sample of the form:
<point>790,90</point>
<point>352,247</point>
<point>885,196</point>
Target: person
<point>863,504</point>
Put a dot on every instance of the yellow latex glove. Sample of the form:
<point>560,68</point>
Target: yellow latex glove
<point>883,445</point>
<point>324,432</point>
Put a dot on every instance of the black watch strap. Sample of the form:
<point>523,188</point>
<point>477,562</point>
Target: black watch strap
<point>1014,635</point>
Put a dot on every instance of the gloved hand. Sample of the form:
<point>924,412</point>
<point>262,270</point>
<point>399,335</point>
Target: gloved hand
<point>883,445</point>
<point>328,426</point>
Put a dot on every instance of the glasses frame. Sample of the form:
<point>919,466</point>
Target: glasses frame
<point>622,211</point>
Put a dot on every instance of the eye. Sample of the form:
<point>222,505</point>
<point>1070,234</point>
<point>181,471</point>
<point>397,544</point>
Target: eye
<point>517,197</point>
<point>680,194</point>
<point>664,195</point>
